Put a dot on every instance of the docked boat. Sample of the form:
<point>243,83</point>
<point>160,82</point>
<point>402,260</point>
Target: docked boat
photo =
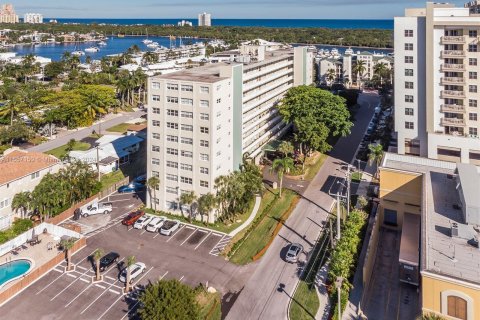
<point>78,53</point>
<point>349,51</point>
<point>153,45</point>
<point>92,49</point>
<point>102,43</point>
<point>147,41</point>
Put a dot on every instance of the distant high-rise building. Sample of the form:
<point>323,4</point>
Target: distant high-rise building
<point>204,19</point>
<point>7,14</point>
<point>33,18</point>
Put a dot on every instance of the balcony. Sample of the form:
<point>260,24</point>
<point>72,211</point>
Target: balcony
<point>451,54</point>
<point>452,108</point>
<point>452,81</point>
<point>452,67</point>
<point>452,122</point>
<point>452,39</point>
<point>446,94</point>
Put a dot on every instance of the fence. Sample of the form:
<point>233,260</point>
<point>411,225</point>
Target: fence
<point>28,279</point>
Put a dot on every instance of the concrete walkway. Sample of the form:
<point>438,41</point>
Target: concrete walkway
<point>252,216</point>
<point>321,289</point>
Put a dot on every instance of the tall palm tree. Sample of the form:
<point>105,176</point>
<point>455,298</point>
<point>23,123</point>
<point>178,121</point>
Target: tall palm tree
<point>129,262</point>
<point>280,166</point>
<point>153,183</point>
<point>188,198</point>
<point>359,68</point>
<point>375,154</point>
<point>67,245</point>
<point>28,64</point>
<point>380,69</point>
<point>331,75</point>
<point>97,255</point>
<point>23,201</point>
<point>206,203</point>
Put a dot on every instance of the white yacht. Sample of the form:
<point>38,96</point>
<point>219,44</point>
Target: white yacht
<point>102,43</point>
<point>147,41</point>
<point>78,53</point>
<point>92,49</point>
<point>349,51</point>
<point>153,45</point>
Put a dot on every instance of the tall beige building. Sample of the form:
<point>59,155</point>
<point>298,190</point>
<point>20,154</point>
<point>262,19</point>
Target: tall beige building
<point>7,14</point>
<point>204,20</point>
<point>202,120</point>
<point>437,86</point>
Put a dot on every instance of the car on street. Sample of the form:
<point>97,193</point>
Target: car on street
<point>141,179</point>
<point>96,208</point>
<point>142,222</point>
<point>169,227</point>
<point>131,187</point>
<point>136,269</point>
<point>132,217</point>
<point>107,260</point>
<point>155,224</point>
<point>293,252</point>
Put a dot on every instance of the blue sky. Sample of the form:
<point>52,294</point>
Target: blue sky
<point>281,9</point>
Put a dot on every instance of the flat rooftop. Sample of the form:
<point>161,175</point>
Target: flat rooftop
<point>441,253</point>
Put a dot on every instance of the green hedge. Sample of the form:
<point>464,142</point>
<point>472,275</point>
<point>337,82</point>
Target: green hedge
<point>18,227</point>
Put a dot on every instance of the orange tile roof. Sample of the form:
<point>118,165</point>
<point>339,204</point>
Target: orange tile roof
<point>20,163</point>
<point>137,127</point>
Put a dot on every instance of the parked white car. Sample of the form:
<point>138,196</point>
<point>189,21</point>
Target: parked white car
<point>96,208</point>
<point>135,270</point>
<point>169,227</point>
<point>142,222</point>
<point>155,224</point>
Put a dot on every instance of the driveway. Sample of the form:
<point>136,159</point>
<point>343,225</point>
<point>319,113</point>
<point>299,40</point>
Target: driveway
<point>261,299</point>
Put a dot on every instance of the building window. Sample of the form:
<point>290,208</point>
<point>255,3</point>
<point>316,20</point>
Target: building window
<point>172,125</point>
<point>219,113</point>
<point>172,190</point>
<point>156,97</point>
<point>172,205</point>
<point>204,89</point>
<point>409,111</point>
<point>472,116</point>
<point>472,33</point>
<point>186,140</point>
<point>186,114</point>
<point>172,164</point>
<point>409,72</point>
<point>187,101</point>
<point>473,131</point>
<point>156,110</point>
<point>204,116</point>
<point>187,127</point>
<point>4,203</point>
<point>35,175</point>
<point>472,75</point>
<point>172,177</point>
<point>155,161</point>
<point>472,48</point>
<point>408,46</point>
<point>219,100</point>
<point>203,170</point>
<point>186,180</point>
<point>186,87</point>
<point>172,86</point>
<point>171,112</point>
<point>155,123</point>
<point>472,88</point>
<point>203,156</point>
<point>408,33</point>
<point>204,130</point>
<point>390,217</point>
<point>187,167</point>
<point>155,85</point>
<point>203,143</point>
<point>204,103</point>
<point>172,99</point>
<point>187,154</point>
<point>408,98</point>
<point>472,103</point>
<point>203,183</point>
<point>156,148</point>
<point>408,85</point>
<point>172,138</point>
<point>408,125</point>
<point>172,151</point>
<point>457,307</point>
<point>155,174</point>
<point>155,135</point>
<point>408,59</point>
<point>472,61</point>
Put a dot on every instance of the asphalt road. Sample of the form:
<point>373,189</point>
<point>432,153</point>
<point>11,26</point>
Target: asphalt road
<point>83,133</point>
<point>261,297</point>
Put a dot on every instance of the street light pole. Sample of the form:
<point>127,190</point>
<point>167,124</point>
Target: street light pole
<point>338,284</point>
<point>338,217</point>
<point>98,164</point>
<point>348,190</point>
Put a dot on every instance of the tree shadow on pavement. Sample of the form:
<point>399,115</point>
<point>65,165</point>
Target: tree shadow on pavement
<point>281,288</point>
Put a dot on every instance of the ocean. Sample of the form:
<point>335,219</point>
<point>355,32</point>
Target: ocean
<point>273,23</point>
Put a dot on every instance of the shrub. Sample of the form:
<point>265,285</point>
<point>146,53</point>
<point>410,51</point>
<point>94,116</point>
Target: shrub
<point>18,227</point>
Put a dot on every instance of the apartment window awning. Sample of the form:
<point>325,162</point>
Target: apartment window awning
<point>272,145</point>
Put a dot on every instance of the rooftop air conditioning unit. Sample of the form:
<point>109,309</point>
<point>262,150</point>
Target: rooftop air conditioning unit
<point>454,229</point>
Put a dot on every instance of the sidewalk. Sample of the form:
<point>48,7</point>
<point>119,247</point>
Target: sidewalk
<point>321,289</point>
<point>247,222</point>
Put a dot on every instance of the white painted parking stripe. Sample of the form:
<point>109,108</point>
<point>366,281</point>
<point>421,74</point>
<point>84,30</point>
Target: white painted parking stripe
<point>178,231</point>
<point>189,227</point>
<point>100,286</point>
<point>201,230</point>
<point>71,275</point>
<point>113,291</point>
<point>188,237</point>
<point>78,295</point>
<point>81,279</point>
<point>101,294</point>
<point>108,277</point>
<point>217,234</point>
<point>200,243</point>
<point>181,278</point>
<point>143,231</point>
<point>158,233</point>
<point>58,270</point>
<point>80,267</point>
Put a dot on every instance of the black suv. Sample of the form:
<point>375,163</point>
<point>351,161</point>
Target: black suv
<point>107,260</point>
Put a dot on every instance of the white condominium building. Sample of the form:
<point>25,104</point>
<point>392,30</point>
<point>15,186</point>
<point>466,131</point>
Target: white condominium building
<point>7,14</point>
<point>33,18</point>
<point>202,120</point>
<point>437,54</point>
<point>204,20</point>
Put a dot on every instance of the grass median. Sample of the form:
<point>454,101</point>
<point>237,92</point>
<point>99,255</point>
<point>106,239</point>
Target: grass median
<point>62,151</point>
<point>305,303</point>
<point>210,305</point>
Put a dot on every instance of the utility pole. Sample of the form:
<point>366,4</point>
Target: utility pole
<point>348,189</point>
<point>338,217</point>
<point>98,163</point>
<point>338,284</point>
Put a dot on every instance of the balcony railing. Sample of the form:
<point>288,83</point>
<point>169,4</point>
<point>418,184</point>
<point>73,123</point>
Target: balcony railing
<point>452,108</point>
<point>452,80</point>
<point>452,93</point>
<point>452,122</point>
<point>452,67</point>
<point>446,54</point>
<point>453,39</point>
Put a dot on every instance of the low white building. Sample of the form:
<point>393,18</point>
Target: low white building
<point>33,18</point>
<point>20,171</point>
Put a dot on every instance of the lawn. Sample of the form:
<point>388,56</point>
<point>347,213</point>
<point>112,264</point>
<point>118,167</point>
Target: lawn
<point>120,128</point>
<point>210,306</point>
<point>110,179</point>
<point>61,151</point>
<point>264,231</point>
<point>312,168</point>
<point>305,303</point>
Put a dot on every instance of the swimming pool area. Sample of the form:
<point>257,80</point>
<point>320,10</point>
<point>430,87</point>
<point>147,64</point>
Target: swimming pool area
<point>14,269</point>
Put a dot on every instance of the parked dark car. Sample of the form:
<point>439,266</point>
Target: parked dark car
<point>141,179</point>
<point>107,260</point>
<point>131,187</point>
<point>132,218</point>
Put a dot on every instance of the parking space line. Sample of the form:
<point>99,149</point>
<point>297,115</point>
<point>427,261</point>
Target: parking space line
<point>221,244</point>
<point>70,275</point>
<point>113,291</point>
<point>80,267</point>
<point>188,237</point>
<point>178,231</point>
<point>143,231</point>
<point>78,295</point>
<point>100,286</point>
<point>101,294</point>
<point>189,227</point>
<point>200,243</point>
<point>158,233</point>
<point>81,279</point>
<point>201,230</point>
<point>218,234</point>
<point>181,278</point>
<point>58,270</point>
<point>108,277</point>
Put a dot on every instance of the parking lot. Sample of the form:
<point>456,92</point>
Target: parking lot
<point>190,254</point>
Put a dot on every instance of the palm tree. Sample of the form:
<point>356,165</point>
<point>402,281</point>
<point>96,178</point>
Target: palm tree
<point>22,200</point>
<point>188,198</point>
<point>67,245</point>
<point>286,148</point>
<point>129,262</point>
<point>280,166</point>
<point>331,75</point>
<point>153,183</point>
<point>375,154</point>
<point>206,203</point>
<point>380,69</point>
<point>28,64</point>
<point>97,255</point>
<point>359,68</point>
<point>70,145</point>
